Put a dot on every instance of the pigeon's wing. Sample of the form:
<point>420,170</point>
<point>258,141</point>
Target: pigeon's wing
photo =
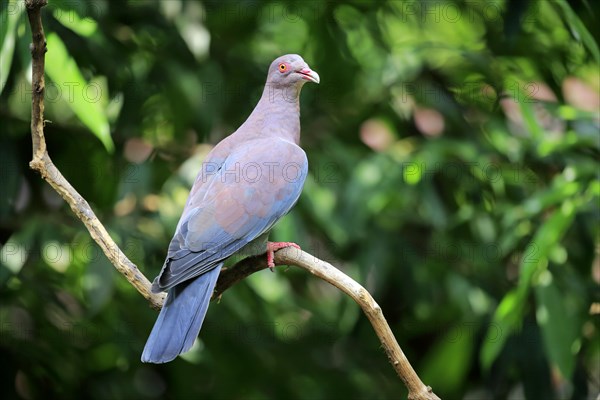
<point>258,183</point>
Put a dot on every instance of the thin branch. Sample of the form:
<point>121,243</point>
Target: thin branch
<point>42,163</point>
<point>417,390</point>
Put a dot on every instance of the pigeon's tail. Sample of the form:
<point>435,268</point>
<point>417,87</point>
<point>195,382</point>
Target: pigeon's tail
<point>180,319</point>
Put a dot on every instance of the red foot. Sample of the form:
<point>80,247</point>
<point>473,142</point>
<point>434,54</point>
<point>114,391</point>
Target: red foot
<point>272,247</point>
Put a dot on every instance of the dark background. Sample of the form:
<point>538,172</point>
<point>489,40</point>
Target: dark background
<point>453,150</point>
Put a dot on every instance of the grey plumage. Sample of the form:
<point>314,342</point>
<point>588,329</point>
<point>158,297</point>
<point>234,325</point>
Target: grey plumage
<point>229,212</point>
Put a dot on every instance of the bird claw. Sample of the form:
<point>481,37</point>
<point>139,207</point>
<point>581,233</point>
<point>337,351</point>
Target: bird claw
<point>272,247</point>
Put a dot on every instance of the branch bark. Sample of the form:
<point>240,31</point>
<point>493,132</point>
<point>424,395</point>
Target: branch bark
<point>42,163</point>
<point>417,390</point>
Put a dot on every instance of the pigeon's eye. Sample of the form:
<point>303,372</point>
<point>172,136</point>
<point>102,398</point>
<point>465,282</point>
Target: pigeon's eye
<point>283,67</point>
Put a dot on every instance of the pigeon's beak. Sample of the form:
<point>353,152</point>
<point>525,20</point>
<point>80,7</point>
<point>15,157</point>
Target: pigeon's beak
<point>309,75</point>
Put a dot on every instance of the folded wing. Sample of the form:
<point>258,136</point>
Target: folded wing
<point>258,183</point>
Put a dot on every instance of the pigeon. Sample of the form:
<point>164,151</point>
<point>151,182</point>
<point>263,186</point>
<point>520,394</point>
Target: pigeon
<point>247,182</point>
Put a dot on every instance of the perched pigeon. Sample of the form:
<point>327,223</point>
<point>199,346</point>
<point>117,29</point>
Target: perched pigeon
<point>247,183</point>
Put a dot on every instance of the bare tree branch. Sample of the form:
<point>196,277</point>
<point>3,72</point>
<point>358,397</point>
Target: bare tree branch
<point>417,390</point>
<point>42,163</point>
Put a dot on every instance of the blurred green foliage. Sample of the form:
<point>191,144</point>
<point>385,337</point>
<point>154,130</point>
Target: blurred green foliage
<point>454,160</point>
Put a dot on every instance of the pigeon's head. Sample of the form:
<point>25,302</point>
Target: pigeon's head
<point>291,70</point>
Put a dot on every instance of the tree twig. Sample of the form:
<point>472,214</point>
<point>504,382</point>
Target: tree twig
<point>417,390</point>
<point>42,163</point>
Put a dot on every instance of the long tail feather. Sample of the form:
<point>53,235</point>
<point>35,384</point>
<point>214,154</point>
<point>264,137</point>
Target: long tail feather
<point>180,319</point>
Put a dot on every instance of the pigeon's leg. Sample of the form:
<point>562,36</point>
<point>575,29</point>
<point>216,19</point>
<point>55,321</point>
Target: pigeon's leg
<point>272,247</point>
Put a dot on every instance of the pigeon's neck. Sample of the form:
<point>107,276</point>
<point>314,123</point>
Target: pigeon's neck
<point>278,113</point>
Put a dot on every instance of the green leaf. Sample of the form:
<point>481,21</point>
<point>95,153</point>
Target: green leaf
<point>534,261</point>
<point>11,15</point>
<point>506,320</point>
<point>578,28</point>
<point>448,362</point>
<point>83,99</point>
<point>559,325</point>
<point>541,200</point>
<point>82,26</point>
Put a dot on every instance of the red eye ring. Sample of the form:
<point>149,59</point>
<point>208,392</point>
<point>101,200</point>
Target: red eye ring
<point>283,67</point>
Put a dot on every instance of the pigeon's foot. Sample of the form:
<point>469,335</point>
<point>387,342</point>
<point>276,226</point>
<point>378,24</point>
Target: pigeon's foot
<point>272,247</point>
